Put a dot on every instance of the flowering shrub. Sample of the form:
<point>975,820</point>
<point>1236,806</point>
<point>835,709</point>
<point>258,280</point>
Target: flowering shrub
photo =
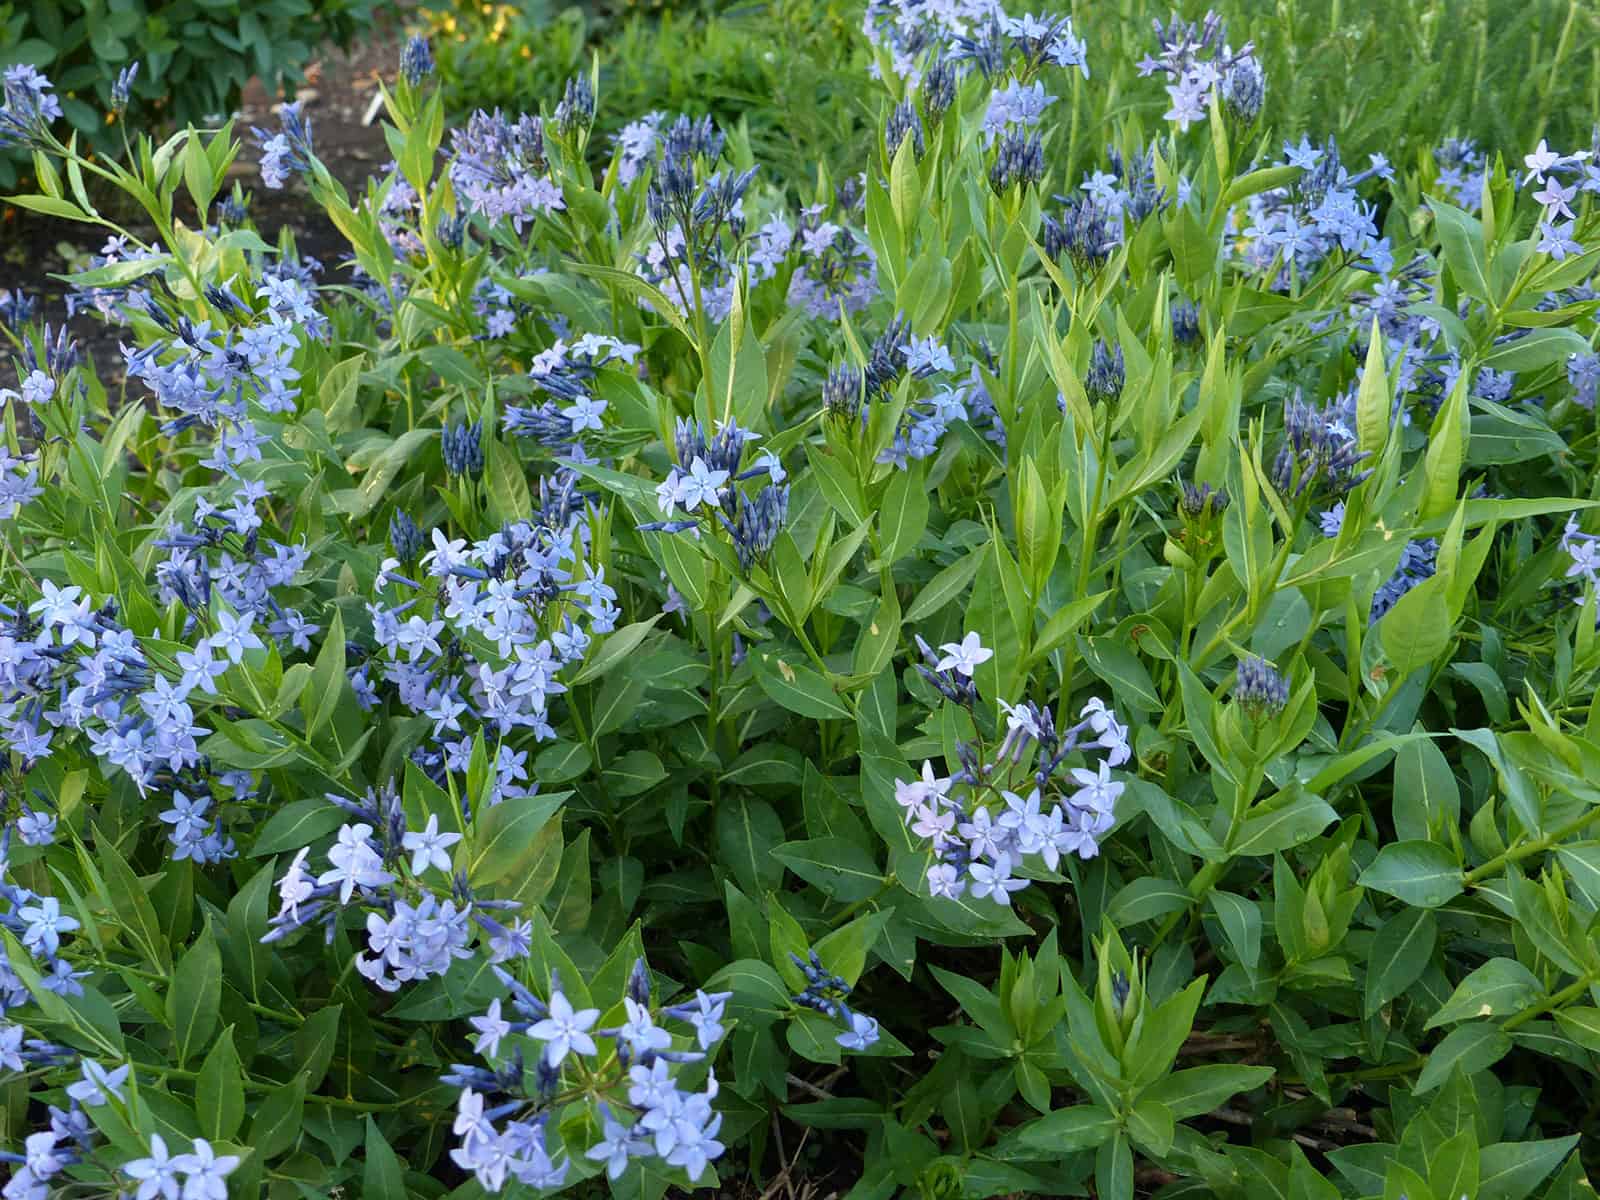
<point>1050,683</point>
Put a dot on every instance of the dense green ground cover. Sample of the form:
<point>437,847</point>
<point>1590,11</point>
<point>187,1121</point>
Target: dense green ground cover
<point>1037,635</point>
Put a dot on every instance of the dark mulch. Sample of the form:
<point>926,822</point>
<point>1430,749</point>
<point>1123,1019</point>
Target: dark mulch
<point>338,96</point>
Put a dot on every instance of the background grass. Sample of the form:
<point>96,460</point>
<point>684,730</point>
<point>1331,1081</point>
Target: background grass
<point>1396,76</point>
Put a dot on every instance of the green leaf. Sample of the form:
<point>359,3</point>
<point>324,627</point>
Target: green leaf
<point>1537,349</point>
<point>844,951</point>
<point>1500,987</point>
<point>129,901</point>
<point>118,274</point>
<point>195,997</point>
<point>1504,435</point>
<point>814,1037</point>
<point>381,1177</point>
<point>840,869</point>
<point>1461,239</point>
<point>1113,1162</point>
<point>1511,1170</point>
<point>1063,623</point>
<point>507,484</point>
<point>759,995</point>
<point>297,825</point>
<point>1196,1090</point>
<point>1415,632</point>
<point>1288,819</point>
<point>1121,668</point>
<point>631,283</point>
<point>748,831</point>
<point>904,514</point>
<point>1305,1182</point>
<point>1241,923</point>
<point>1374,400</point>
<point>1581,1024</point>
<point>1473,1047</point>
<point>1400,953</point>
<point>1420,873</point>
<point>314,1043</point>
<point>614,649</point>
<point>561,762</point>
<point>1145,900</point>
<point>1441,467</point>
<point>219,1090</point>
<point>381,471</point>
<point>636,771</point>
<point>1065,1131</point>
<point>276,1125</point>
<point>504,836</point>
<point>1151,1126</point>
<point>1427,800</point>
<point>946,585</point>
<point>797,687</point>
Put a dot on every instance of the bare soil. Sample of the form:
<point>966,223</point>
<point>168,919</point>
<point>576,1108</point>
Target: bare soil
<point>338,96</point>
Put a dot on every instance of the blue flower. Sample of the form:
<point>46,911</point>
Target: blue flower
<point>92,1089</point>
<point>287,151</point>
<point>863,1032</point>
<point>565,1030</point>
<point>416,60</point>
<point>1259,689</point>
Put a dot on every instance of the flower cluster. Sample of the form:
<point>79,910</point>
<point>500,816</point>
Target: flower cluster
<point>1319,455</point>
<point>1583,373</point>
<point>977,846</point>
<point>481,638</point>
<point>287,151</point>
<point>696,212</point>
<point>199,1175</point>
<point>836,268</point>
<point>1583,551</point>
<point>1417,562</point>
<point>210,378</point>
<point>387,870</point>
<point>1291,231</point>
<point>1461,170</point>
<point>906,30</point>
<point>39,924</point>
<point>567,374</point>
<point>29,107</point>
<point>1199,65</point>
<point>1557,221</point>
<point>642,1110</point>
<point>70,1138</point>
<point>498,167</point>
<point>702,481</point>
<point>826,993</point>
<point>1259,688</point>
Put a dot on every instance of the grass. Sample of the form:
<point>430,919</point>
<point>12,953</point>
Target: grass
<point>1396,76</point>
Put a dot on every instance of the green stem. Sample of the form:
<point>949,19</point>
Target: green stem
<point>1528,849</point>
<point>1558,1000</point>
<point>855,906</point>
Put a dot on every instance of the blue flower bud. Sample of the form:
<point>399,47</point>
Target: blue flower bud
<point>416,60</point>
<point>1259,689</point>
<point>463,448</point>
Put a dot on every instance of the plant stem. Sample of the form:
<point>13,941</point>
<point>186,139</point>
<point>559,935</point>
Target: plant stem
<point>1527,849</point>
<point>1558,1000</point>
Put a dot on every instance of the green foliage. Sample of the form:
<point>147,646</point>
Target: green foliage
<point>1317,912</point>
<point>194,56</point>
<point>786,76</point>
